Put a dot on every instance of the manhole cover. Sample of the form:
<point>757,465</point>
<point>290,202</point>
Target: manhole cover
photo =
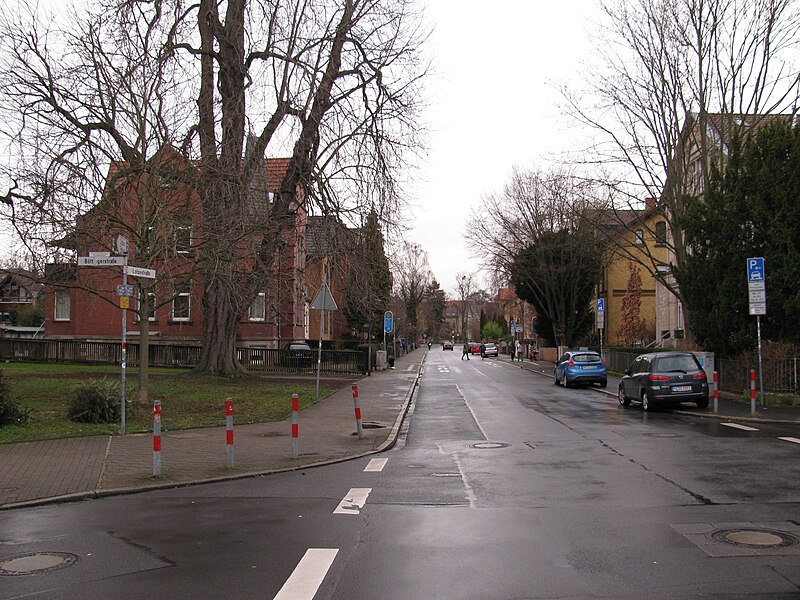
<point>489,445</point>
<point>755,538</point>
<point>33,563</point>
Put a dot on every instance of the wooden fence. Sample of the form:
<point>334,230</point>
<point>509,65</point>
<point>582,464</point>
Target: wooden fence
<point>160,355</point>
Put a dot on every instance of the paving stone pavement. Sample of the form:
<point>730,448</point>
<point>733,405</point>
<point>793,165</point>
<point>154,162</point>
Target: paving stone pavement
<point>87,467</point>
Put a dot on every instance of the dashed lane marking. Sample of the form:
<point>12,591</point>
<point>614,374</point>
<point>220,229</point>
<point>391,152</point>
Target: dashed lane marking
<point>307,576</point>
<point>790,439</point>
<point>737,426</point>
<point>353,502</point>
<point>376,465</point>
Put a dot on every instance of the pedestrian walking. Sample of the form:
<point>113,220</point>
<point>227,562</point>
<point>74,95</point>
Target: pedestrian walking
<point>483,351</point>
<point>518,350</point>
<point>465,351</point>
<point>512,350</point>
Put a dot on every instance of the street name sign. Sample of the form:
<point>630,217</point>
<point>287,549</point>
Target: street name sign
<point>139,272</point>
<point>101,261</point>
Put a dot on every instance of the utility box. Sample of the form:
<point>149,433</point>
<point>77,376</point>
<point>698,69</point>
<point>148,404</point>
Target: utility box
<point>707,362</point>
<point>380,360</point>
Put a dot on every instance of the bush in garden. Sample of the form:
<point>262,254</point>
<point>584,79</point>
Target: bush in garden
<point>96,401</point>
<point>11,413</point>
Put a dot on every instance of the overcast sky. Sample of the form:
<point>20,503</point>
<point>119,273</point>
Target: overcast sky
<point>494,104</point>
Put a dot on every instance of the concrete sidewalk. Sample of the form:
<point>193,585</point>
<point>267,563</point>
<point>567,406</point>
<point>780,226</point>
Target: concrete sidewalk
<point>89,467</point>
<point>727,406</point>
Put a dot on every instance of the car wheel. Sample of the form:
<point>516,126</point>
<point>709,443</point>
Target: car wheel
<point>566,381</point>
<point>604,383</point>
<point>646,406</point>
<point>623,401</point>
<point>702,403</point>
<point>555,378</point>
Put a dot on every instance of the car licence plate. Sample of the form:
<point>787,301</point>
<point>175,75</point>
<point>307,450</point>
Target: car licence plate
<point>681,388</point>
<point>589,367</point>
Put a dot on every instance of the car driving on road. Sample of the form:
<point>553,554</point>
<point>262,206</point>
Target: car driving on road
<point>580,366</point>
<point>447,345</point>
<point>664,378</point>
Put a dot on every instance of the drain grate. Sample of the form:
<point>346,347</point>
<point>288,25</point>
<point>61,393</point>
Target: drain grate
<point>773,538</point>
<point>33,563</point>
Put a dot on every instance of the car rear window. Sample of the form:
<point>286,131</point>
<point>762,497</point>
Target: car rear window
<point>682,363</point>
<point>586,358</point>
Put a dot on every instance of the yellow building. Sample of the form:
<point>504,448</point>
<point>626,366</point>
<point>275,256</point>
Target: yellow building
<point>643,241</point>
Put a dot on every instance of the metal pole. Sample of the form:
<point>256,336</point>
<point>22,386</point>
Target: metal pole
<point>357,410</point>
<point>295,425</point>
<point>752,392</point>
<point>124,353</point>
<point>716,392</point>
<point>760,362</point>
<point>157,438</point>
<point>321,321</point>
<point>229,431</point>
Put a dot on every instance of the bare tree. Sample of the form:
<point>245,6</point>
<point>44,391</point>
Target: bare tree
<point>334,82</point>
<point>534,233</point>
<point>465,287</point>
<point>664,70</point>
<point>412,277</point>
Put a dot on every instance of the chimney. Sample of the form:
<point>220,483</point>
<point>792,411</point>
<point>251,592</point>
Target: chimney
<point>649,203</point>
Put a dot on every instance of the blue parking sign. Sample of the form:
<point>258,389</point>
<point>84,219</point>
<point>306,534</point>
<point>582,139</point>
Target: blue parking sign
<point>601,305</point>
<point>755,269</point>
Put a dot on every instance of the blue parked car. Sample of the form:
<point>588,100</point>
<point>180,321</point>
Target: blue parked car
<point>580,366</point>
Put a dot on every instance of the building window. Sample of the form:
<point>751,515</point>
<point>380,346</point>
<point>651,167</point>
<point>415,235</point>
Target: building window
<point>639,237</point>
<point>182,235</point>
<point>661,233</point>
<point>258,309</point>
<point>62,305</point>
<point>181,309</point>
<point>152,300</point>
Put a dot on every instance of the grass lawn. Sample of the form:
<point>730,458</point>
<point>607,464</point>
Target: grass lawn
<point>187,400</point>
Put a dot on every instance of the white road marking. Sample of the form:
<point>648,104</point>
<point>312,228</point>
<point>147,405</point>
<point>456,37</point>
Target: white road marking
<point>475,418</point>
<point>376,465</point>
<point>308,574</point>
<point>411,367</point>
<point>737,426</point>
<point>353,502</point>
<point>790,439</point>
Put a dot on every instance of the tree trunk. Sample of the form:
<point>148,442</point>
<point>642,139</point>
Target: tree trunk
<point>221,315</point>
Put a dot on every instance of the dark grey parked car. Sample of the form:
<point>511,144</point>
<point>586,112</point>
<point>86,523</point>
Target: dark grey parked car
<point>664,378</point>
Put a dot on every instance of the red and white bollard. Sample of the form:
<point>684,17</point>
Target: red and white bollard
<point>157,438</point>
<point>357,408</point>
<point>229,430</point>
<point>716,392</point>
<point>752,391</point>
<point>295,425</point>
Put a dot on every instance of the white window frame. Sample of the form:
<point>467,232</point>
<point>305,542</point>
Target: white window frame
<point>639,237</point>
<point>152,317</point>
<point>58,302</point>
<point>178,233</point>
<point>253,312</point>
<point>179,296</point>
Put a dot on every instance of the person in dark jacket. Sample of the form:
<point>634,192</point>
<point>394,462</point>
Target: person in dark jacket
<point>465,351</point>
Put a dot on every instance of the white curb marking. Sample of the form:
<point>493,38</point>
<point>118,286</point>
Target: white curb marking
<point>790,439</point>
<point>737,426</point>
<point>353,502</point>
<point>308,575</point>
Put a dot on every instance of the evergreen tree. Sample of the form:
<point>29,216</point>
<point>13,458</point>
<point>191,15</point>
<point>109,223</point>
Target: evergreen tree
<point>750,210</point>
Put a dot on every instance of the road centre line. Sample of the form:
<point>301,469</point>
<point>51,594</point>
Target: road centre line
<point>308,575</point>
<point>790,439</point>
<point>376,465</point>
<point>737,426</point>
<point>353,502</point>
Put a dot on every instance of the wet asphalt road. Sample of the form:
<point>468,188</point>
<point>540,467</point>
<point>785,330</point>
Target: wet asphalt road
<point>502,486</point>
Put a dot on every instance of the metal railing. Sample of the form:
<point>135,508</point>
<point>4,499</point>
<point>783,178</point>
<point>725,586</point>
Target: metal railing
<point>163,355</point>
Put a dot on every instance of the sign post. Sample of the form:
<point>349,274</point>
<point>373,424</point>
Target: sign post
<point>322,301</point>
<point>601,320</point>
<point>756,284</point>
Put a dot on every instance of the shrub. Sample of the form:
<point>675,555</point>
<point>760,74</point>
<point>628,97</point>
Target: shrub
<point>11,413</point>
<point>96,401</point>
